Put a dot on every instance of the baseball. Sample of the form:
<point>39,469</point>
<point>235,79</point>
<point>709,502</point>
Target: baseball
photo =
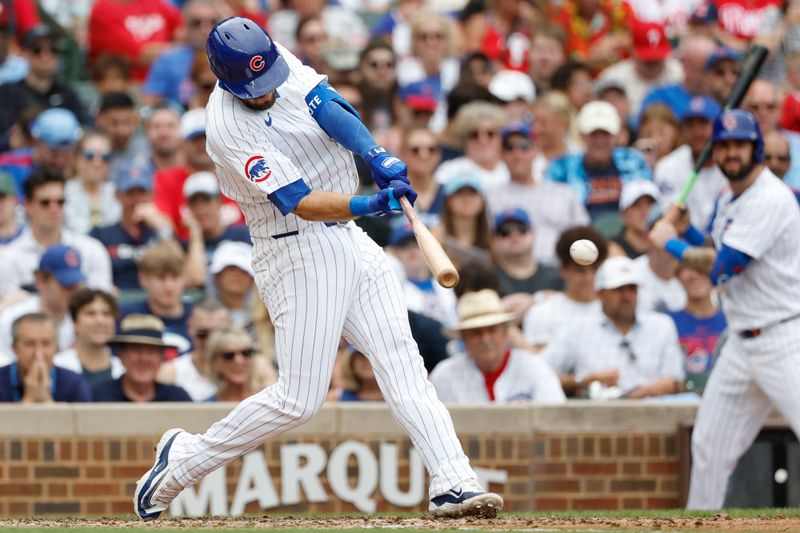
<point>584,252</point>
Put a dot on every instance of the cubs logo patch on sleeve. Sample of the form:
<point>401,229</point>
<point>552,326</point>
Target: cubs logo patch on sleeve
<point>256,169</point>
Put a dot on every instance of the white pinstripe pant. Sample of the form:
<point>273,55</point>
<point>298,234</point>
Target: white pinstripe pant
<point>750,377</point>
<point>318,286</point>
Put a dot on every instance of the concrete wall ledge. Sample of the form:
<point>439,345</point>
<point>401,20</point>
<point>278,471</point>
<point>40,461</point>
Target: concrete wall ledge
<point>354,419</point>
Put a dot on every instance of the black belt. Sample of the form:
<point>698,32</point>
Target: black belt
<point>295,232</point>
<point>287,234</point>
<point>757,332</point>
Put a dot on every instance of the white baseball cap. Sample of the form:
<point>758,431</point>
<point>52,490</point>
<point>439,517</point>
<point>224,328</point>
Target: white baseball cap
<point>633,190</point>
<point>616,272</point>
<point>193,123</point>
<point>201,183</point>
<point>510,85</point>
<point>232,254</point>
<point>599,115</point>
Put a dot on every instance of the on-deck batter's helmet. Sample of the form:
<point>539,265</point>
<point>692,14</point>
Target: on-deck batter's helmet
<point>739,125</point>
<point>244,58</point>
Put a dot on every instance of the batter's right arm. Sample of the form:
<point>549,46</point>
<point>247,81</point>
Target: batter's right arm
<point>323,206</point>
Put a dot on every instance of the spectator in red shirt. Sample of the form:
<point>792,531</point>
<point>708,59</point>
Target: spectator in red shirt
<point>137,29</point>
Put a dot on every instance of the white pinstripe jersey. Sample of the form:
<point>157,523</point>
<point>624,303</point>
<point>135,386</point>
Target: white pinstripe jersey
<point>258,152</point>
<point>764,223</point>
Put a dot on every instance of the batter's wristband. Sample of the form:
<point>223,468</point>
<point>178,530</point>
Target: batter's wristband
<point>694,236</point>
<point>359,206</point>
<point>677,248</point>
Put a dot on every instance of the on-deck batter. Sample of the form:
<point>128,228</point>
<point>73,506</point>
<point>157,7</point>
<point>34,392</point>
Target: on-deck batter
<point>281,139</point>
<point>755,264</point>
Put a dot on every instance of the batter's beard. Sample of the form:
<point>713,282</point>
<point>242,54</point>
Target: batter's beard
<point>742,174</point>
<point>261,106</point>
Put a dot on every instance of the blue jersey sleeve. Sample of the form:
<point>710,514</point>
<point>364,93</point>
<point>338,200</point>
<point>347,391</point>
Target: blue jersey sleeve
<point>730,262</point>
<point>339,120</point>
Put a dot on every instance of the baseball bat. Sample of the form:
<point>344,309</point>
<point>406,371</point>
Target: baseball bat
<point>443,269</point>
<point>755,58</point>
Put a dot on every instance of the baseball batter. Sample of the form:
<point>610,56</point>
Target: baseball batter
<point>755,264</point>
<point>281,139</point>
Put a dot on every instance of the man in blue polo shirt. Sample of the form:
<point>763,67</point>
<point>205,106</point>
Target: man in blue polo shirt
<point>32,378</point>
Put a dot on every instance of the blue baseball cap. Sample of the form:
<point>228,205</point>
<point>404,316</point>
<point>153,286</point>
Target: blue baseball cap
<point>723,53</point>
<point>420,95</point>
<point>400,233</point>
<point>134,175</point>
<point>516,214</point>
<point>461,182</point>
<point>57,128</point>
<point>700,106</point>
<point>523,128</point>
<point>64,263</point>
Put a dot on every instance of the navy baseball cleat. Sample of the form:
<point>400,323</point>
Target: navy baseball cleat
<point>467,499</point>
<point>156,489</point>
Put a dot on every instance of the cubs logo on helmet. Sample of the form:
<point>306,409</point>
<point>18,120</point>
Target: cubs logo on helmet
<point>729,122</point>
<point>256,169</point>
<point>257,64</point>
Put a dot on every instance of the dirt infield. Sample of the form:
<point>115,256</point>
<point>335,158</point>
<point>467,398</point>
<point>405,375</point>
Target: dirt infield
<point>716,522</point>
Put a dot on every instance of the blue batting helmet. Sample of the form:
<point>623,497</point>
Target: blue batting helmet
<point>244,58</point>
<point>739,125</point>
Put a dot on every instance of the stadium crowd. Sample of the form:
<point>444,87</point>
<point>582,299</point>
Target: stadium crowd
<point>125,274</point>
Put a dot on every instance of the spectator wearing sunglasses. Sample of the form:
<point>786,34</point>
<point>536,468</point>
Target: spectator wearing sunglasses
<point>378,84</point>
<point>39,87</point>
<point>763,100</point>
<point>420,150</point>
<point>234,365</point>
<point>44,205</point>
<point>476,128</point>
<point>630,353</point>
<point>90,194</point>
<point>519,273</point>
<point>169,75</point>
<point>551,207</point>
<point>192,371</point>
<point>141,348</point>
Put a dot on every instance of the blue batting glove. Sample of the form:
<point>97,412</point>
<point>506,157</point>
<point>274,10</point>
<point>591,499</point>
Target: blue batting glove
<point>386,167</point>
<point>387,200</point>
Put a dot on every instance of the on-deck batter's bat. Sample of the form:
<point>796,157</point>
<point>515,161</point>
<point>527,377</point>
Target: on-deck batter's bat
<point>443,269</point>
<point>755,58</point>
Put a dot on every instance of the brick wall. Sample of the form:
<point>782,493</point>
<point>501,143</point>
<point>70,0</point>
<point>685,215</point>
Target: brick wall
<point>81,460</point>
<point>606,471</point>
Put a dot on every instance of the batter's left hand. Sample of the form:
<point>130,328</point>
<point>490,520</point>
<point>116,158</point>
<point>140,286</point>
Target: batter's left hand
<point>386,167</point>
